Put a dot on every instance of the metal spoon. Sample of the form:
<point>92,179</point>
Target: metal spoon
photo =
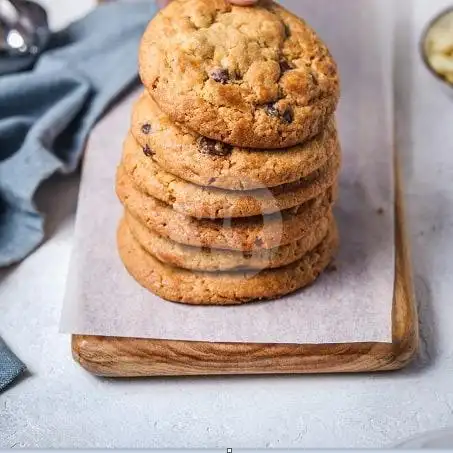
<point>24,32</point>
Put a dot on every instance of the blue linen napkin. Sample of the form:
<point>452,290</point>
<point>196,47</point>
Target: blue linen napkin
<point>10,366</point>
<point>47,112</point>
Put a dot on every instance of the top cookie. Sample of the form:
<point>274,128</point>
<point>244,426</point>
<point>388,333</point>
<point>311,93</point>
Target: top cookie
<point>249,76</point>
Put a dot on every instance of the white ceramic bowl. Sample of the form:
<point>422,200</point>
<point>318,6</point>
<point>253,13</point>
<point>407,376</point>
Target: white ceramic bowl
<point>446,85</point>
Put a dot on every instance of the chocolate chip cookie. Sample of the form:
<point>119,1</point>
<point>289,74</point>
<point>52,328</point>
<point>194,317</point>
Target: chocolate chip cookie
<point>221,288</point>
<point>253,77</point>
<point>206,162</point>
<point>246,234</point>
<point>206,202</point>
<point>214,260</point>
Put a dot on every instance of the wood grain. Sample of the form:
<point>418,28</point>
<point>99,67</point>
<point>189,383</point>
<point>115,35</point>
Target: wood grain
<point>128,357</point>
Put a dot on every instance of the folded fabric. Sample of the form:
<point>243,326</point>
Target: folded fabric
<point>10,366</point>
<point>46,113</point>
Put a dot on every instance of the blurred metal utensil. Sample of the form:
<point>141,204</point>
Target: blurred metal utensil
<point>24,28</point>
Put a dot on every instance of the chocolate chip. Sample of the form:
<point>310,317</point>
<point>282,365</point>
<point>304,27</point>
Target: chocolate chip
<point>271,110</point>
<point>206,250</point>
<point>287,30</point>
<point>285,66</point>
<point>146,128</point>
<point>213,147</point>
<point>288,116</point>
<point>247,255</point>
<point>220,75</point>
<point>147,151</point>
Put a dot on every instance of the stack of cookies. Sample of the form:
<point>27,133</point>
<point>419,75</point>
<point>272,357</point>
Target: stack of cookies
<point>229,172</point>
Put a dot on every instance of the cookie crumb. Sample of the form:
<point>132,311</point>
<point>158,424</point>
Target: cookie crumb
<point>380,211</point>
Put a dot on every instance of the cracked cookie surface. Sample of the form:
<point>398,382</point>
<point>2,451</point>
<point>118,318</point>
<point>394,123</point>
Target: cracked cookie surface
<point>254,77</point>
<point>207,202</point>
<point>221,288</point>
<point>205,162</point>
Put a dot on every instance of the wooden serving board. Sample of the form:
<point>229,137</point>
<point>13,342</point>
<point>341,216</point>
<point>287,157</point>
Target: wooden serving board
<point>129,357</point>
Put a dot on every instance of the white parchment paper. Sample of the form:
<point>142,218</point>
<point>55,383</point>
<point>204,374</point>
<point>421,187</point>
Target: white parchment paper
<point>352,304</point>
